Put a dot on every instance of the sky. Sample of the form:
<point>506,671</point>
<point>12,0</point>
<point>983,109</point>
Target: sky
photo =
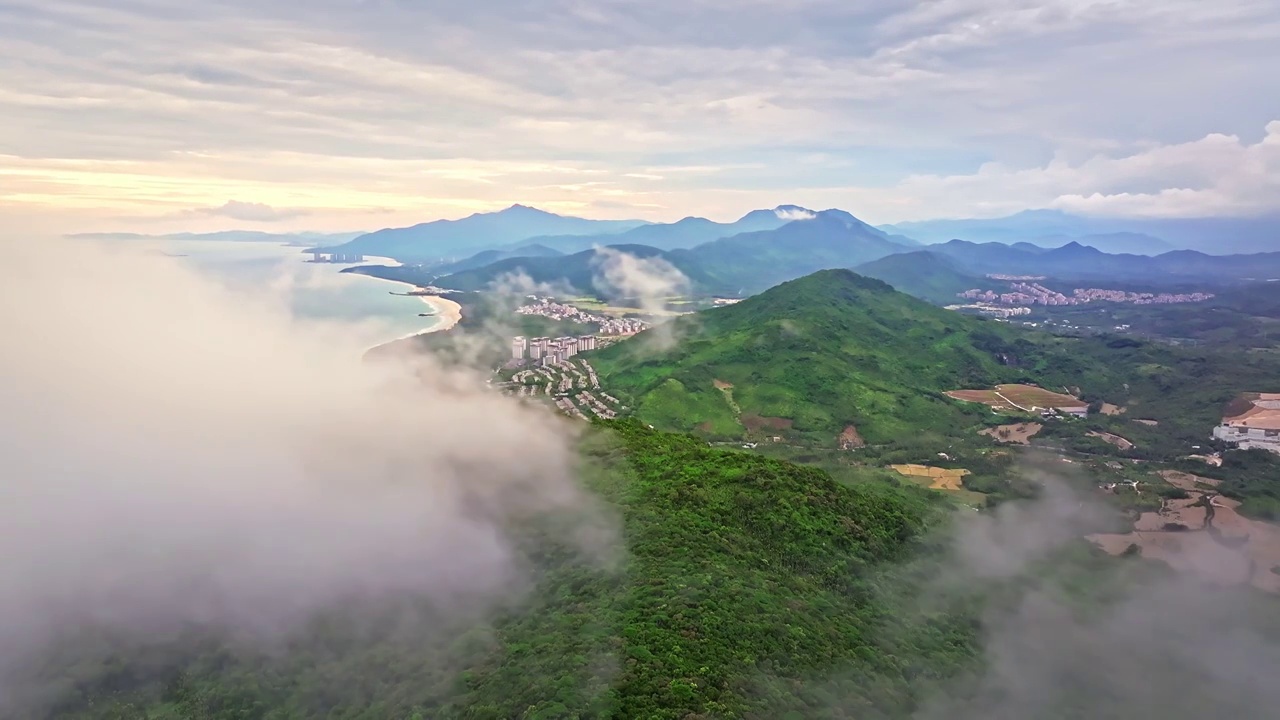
<point>161,115</point>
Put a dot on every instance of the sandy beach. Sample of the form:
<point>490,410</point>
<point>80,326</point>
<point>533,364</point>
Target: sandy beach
<point>449,312</point>
<point>446,312</point>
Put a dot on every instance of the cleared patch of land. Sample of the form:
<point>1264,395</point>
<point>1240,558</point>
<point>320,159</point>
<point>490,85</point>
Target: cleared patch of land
<point>1113,439</point>
<point>1018,433</point>
<point>1203,535</point>
<point>939,478</point>
<point>1187,514</point>
<point>1214,460</point>
<point>849,439</point>
<point>1187,481</point>
<point>592,305</point>
<point>1027,398</point>
<point>756,423</point>
<point>1145,421</point>
<point>1109,409</point>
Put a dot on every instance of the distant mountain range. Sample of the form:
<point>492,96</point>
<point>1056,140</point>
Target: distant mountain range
<point>742,264</point>
<point>1076,261</point>
<point>579,272</point>
<point>689,232</point>
<point>444,239</point>
<point>748,263</point>
<point>1052,228</point>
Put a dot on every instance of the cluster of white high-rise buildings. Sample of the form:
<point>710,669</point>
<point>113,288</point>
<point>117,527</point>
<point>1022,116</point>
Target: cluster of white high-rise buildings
<point>549,351</point>
<point>547,307</point>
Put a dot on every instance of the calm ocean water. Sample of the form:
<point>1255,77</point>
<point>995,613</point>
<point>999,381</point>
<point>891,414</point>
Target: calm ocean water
<point>314,290</point>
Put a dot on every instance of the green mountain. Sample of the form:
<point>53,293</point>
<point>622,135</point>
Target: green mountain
<point>685,233</point>
<point>748,588</point>
<point>751,262</point>
<point>580,272</point>
<point>807,359</point>
<point>745,263</point>
<point>438,239</point>
<point>923,274</point>
<point>488,257</point>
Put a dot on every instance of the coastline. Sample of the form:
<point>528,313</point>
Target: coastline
<point>446,315</point>
<point>448,312</point>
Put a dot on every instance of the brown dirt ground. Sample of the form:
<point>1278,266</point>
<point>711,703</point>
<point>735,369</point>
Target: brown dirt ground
<point>1240,404</point>
<point>1181,512</point>
<point>849,439</point>
<point>1146,421</point>
<point>1186,481</point>
<point>1109,409</point>
<point>1025,395</point>
<point>1245,550</point>
<point>722,385</point>
<point>1207,459</point>
<point>755,423</point>
<point>1116,440</point>
<point>1020,434</point>
<point>941,478</point>
<point>1191,552</point>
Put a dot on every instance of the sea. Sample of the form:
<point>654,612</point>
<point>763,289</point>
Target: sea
<point>313,290</point>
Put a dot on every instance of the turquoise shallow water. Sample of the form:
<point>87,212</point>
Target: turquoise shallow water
<point>314,290</point>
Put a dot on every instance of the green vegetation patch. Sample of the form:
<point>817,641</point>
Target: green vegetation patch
<point>749,588</point>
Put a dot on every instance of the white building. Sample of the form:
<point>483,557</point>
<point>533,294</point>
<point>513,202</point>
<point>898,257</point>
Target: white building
<point>1256,425</point>
<point>518,347</point>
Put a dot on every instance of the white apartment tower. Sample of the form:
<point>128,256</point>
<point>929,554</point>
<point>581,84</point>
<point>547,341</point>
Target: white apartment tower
<point>518,347</point>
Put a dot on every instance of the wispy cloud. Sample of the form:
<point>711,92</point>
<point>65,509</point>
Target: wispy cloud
<point>250,212</point>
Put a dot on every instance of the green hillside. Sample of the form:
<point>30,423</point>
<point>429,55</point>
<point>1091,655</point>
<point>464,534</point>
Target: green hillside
<point>807,359</point>
<point>580,272</point>
<point>749,588</point>
<point>751,262</point>
<point>746,263</point>
<point>928,276</point>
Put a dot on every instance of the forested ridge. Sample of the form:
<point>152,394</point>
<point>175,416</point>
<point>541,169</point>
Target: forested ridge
<point>747,587</point>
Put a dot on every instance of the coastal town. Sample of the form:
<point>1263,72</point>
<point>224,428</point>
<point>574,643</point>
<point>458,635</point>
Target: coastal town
<point>572,385</point>
<point>549,308</point>
<point>544,351</point>
<point>1033,293</point>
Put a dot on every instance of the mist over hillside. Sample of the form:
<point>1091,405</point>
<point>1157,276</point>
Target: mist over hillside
<point>188,457</point>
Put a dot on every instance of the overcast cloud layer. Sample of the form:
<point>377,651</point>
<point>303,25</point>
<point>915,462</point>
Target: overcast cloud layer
<point>349,114</point>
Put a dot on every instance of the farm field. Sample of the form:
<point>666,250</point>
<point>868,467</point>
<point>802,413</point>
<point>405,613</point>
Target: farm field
<point>1027,398</point>
<point>945,479</point>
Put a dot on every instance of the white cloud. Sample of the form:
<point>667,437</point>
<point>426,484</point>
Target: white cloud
<point>250,212</point>
<point>217,461</point>
<point>425,110</point>
<point>794,214</point>
<point>1216,175</point>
